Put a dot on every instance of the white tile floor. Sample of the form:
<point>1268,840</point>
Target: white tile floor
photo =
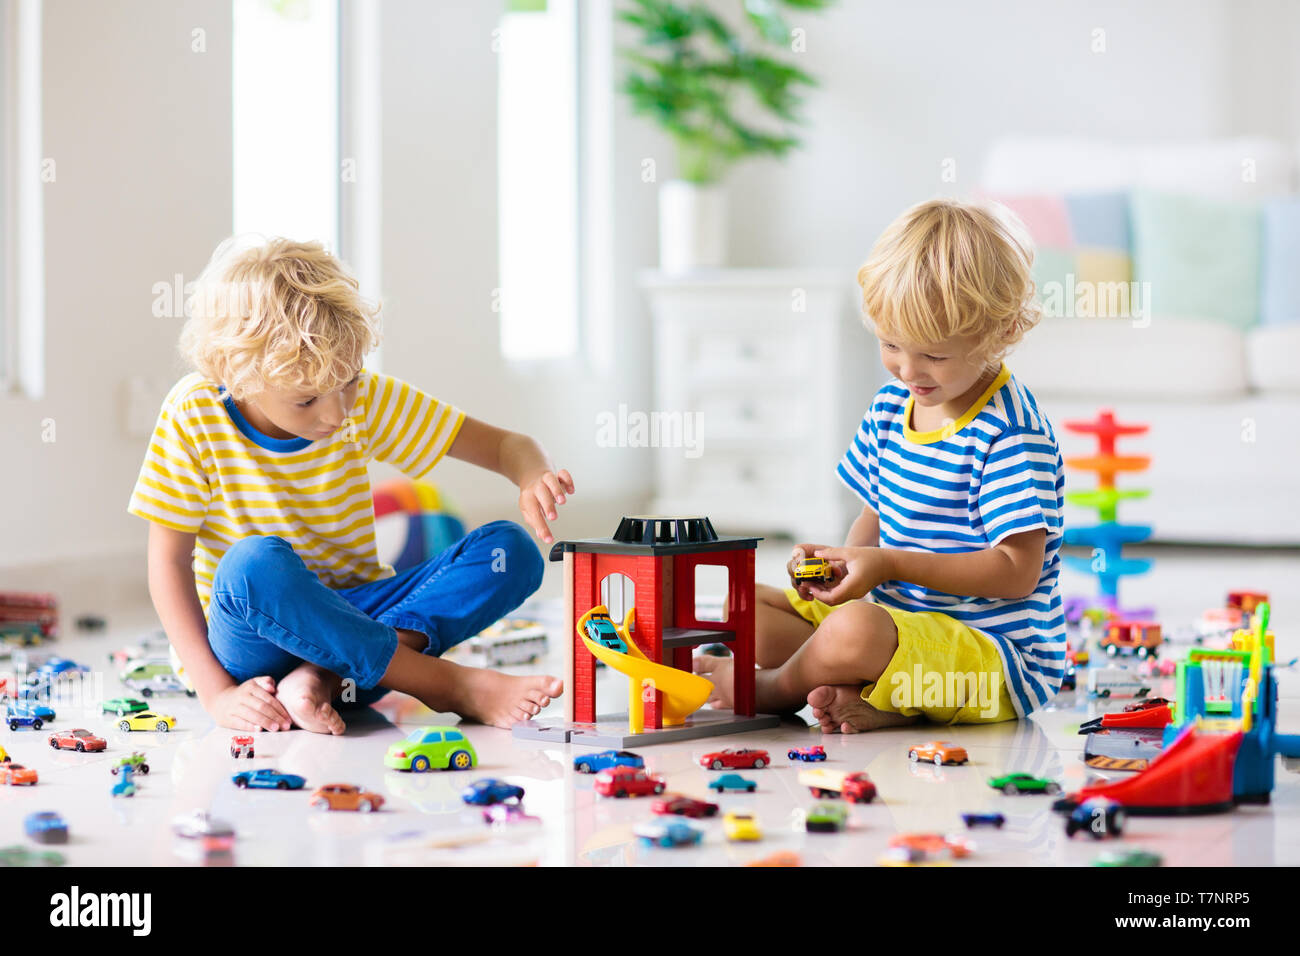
<point>191,768</point>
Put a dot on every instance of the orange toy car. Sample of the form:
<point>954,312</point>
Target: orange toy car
<point>932,845</point>
<point>345,796</point>
<point>1132,637</point>
<point>938,751</point>
<point>780,858</point>
<point>15,774</point>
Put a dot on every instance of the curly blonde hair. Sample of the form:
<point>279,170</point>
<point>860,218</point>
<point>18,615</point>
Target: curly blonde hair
<point>945,268</point>
<point>277,315</point>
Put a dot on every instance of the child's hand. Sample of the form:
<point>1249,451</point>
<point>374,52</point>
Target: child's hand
<point>251,705</point>
<point>538,499</point>
<point>863,569</point>
<point>800,552</point>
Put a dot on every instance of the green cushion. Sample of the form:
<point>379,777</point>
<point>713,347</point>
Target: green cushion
<point>1200,256</point>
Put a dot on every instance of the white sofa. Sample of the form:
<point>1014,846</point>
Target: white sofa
<point>1223,404</point>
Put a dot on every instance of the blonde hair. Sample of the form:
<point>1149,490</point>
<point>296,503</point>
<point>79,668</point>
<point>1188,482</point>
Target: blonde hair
<point>277,315</point>
<point>946,268</point>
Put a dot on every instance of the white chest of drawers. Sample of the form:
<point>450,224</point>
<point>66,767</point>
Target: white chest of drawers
<point>777,370</point>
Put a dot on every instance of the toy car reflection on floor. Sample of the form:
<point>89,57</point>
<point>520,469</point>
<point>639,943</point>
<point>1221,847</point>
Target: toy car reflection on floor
<point>1012,783</point>
<point>1098,816</point>
<point>594,763</point>
<point>146,720</point>
<point>345,796</point>
<point>429,748</point>
<point>509,815</point>
<point>732,781</point>
<point>267,779</point>
<point>484,793</point>
<point>80,740</point>
<point>682,806</point>
<point>667,833</point>
<point>939,752</point>
<point>737,759</point>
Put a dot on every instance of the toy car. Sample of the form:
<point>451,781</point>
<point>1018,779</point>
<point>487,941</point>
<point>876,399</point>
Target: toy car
<point>743,758</point>
<point>4,755</point>
<point>431,747</point>
<point>807,754</point>
<point>80,740</point>
<point>824,783</point>
<point>1012,783</point>
<point>122,705</point>
<point>23,715</point>
<point>20,635</point>
<point>814,569</point>
<point>22,856</point>
<point>1134,857</point>
<point>598,627</point>
<point>732,781</point>
<point>344,796</point>
<point>973,820</point>
<point>266,779</point>
<point>57,667</point>
<point>509,814</point>
<point>485,792</point>
<point>931,846</point>
<point>939,752</point>
<point>1131,637</point>
<point>826,818</point>
<point>167,683</point>
<point>46,827</point>
<point>667,833</point>
<point>1115,682</point>
<point>131,763</point>
<point>1097,816</point>
<point>146,668</point>
<point>627,782</point>
<point>16,775</point>
<point>1149,704</point>
<point>90,622</point>
<point>241,745</point>
<point>212,835</point>
<point>593,763</point>
<point>675,803</point>
<point>741,825</point>
<point>146,720</point>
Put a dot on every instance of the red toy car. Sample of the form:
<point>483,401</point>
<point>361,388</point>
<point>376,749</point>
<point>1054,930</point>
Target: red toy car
<point>241,745</point>
<point>1147,704</point>
<point>683,806</point>
<point>80,740</point>
<point>744,759</point>
<point>627,782</point>
<point>858,788</point>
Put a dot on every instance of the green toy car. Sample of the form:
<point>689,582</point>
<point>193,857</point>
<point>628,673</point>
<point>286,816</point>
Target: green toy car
<point>1013,783</point>
<point>135,763</point>
<point>122,706</point>
<point>18,855</point>
<point>1129,858</point>
<point>432,748</point>
<point>826,818</point>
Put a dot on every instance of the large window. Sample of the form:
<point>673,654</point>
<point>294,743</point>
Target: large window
<point>287,169</point>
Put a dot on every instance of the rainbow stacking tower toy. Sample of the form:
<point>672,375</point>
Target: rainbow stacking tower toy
<point>1108,536</point>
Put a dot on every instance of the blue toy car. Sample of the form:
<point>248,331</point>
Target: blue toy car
<point>983,820</point>
<point>667,833</point>
<point>266,779</point>
<point>26,715</point>
<point>594,763</point>
<point>601,629</point>
<point>732,781</point>
<point>46,827</point>
<point>58,666</point>
<point>1098,816</point>
<point>484,793</point>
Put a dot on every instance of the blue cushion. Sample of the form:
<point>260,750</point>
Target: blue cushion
<point>1280,278</point>
<point>1099,219</point>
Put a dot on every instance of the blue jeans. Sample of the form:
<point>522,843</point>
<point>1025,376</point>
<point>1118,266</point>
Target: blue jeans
<point>269,612</point>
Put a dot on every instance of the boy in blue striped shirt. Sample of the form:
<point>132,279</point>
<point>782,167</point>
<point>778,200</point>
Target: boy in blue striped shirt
<point>956,548</point>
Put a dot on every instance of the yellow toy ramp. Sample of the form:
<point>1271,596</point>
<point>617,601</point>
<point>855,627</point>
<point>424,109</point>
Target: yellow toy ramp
<point>684,693</point>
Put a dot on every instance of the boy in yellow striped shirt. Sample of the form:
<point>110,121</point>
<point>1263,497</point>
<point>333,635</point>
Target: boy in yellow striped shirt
<point>262,559</point>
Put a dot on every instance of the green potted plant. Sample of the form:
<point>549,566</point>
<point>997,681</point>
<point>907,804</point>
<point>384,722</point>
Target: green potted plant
<point>701,80</point>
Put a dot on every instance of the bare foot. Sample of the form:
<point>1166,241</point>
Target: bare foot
<point>306,692</point>
<point>504,700</point>
<point>720,671</point>
<point>839,708</point>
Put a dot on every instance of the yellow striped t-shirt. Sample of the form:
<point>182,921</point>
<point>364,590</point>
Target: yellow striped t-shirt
<point>210,472</point>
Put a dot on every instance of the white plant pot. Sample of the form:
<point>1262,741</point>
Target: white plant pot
<point>692,227</point>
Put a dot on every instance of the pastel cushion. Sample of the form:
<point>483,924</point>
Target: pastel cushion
<point>1201,257</point>
<point>1280,270</point>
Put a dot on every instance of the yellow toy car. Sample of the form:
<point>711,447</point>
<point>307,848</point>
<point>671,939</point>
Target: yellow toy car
<point>146,720</point>
<point>814,569</point>
<point>741,825</point>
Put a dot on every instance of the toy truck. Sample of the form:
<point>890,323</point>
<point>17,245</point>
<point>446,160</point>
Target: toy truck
<point>1115,682</point>
<point>856,787</point>
<point>1131,637</point>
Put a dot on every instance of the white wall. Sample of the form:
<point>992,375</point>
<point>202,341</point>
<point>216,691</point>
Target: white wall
<point>138,127</point>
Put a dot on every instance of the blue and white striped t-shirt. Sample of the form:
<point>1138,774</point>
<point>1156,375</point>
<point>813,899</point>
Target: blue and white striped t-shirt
<point>994,472</point>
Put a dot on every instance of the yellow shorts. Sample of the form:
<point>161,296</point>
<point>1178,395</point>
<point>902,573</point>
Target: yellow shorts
<point>950,673</point>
